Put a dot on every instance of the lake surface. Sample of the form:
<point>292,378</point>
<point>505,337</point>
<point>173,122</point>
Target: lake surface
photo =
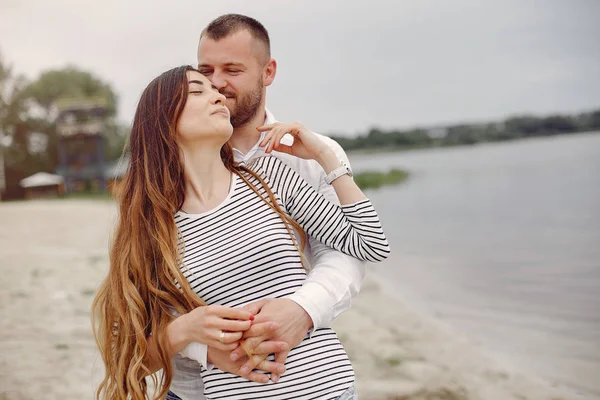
<point>502,241</point>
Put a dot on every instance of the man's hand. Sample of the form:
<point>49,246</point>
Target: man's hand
<point>222,360</point>
<point>293,323</point>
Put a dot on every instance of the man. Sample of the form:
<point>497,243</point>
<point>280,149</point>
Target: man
<point>234,53</point>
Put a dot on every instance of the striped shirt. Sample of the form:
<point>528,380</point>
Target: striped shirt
<point>241,251</point>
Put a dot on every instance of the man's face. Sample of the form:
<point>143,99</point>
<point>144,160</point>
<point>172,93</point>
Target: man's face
<point>234,66</point>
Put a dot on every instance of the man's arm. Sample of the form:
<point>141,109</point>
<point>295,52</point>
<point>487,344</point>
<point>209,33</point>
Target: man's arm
<point>333,280</point>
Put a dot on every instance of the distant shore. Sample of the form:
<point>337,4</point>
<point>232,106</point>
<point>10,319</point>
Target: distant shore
<point>437,145</point>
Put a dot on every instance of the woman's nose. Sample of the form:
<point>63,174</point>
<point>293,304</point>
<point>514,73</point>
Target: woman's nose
<point>219,98</point>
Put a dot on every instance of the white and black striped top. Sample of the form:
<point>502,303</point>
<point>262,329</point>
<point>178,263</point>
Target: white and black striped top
<point>241,251</point>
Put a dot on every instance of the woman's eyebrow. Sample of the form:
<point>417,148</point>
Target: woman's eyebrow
<point>202,83</point>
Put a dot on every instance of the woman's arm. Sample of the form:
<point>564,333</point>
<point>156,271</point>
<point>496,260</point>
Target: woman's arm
<point>308,146</point>
<point>354,228</point>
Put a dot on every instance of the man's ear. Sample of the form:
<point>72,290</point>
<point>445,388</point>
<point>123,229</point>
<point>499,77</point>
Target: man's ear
<point>269,72</point>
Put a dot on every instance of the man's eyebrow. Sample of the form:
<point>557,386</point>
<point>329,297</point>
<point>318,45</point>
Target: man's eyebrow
<point>202,83</point>
<point>227,64</point>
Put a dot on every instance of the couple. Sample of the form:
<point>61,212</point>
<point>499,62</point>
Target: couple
<point>222,268</point>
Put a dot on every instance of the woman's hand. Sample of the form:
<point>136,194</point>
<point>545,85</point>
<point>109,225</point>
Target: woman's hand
<point>306,144</point>
<point>217,326</point>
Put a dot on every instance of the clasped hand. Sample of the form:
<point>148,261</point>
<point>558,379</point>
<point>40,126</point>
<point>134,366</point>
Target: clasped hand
<point>278,326</point>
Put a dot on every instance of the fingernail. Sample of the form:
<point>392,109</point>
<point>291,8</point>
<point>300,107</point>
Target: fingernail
<point>281,370</point>
<point>245,370</point>
<point>274,378</point>
<point>233,357</point>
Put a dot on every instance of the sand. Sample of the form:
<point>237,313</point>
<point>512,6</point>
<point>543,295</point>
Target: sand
<point>53,254</point>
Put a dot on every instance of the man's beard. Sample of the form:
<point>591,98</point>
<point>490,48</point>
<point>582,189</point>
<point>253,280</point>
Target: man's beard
<point>246,106</point>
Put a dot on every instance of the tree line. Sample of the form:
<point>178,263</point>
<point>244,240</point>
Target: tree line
<point>515,127</point>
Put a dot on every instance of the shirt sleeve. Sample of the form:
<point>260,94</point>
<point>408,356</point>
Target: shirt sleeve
<point>199,352</point>
<point>333,280</point>
<point>353,229</point>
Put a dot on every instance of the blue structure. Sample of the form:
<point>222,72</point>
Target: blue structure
<point>80,125</point>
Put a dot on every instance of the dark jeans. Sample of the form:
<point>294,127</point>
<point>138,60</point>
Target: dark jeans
<point>172,396</point>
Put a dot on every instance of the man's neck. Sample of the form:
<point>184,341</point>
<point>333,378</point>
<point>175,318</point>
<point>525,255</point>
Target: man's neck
<point>246,136</point>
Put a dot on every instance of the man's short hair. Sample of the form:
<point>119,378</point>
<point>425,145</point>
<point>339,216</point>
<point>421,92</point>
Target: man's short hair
<point>228,24</point>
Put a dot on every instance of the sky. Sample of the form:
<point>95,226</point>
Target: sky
<point>343,66</point>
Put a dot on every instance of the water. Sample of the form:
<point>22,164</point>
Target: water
<point>503,242</point>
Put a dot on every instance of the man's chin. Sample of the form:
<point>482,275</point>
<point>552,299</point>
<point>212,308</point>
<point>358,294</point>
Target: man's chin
<point>230,104</point>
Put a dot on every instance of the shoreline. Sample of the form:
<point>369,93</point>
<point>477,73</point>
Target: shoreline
<point>55,253</point>
<point>401,353</point>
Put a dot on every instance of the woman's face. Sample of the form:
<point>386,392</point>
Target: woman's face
<point>204,116</point>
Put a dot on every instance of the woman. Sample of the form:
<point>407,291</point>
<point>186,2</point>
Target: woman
<point>199,236</point>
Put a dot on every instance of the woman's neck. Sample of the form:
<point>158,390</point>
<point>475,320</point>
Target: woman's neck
<point>207,180</point>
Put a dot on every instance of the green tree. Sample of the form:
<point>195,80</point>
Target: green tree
<point>29,108</point>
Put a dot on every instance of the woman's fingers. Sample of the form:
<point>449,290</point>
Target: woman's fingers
<point>218,326</point>
<point>229,325</point>
<point>228,319</point>
<point>227,337</point>
<point>267,127</point>
<point>227,312</point>
<point>223,346</point>
<point>284,148</point>
<point>276,132</point>
<point>273,137</point>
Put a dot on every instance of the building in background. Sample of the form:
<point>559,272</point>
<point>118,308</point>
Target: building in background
<point>80,125</point>
<point>43,185</point>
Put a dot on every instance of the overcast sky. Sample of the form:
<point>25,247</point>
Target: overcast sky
<point>344,66</point>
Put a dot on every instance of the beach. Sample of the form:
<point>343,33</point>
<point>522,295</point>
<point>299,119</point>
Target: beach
<point>54,253</point>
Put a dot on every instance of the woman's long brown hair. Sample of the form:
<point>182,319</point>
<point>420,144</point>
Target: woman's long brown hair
<point>144,283</point>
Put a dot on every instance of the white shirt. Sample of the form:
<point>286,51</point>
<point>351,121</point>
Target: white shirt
<point>334,278</point>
